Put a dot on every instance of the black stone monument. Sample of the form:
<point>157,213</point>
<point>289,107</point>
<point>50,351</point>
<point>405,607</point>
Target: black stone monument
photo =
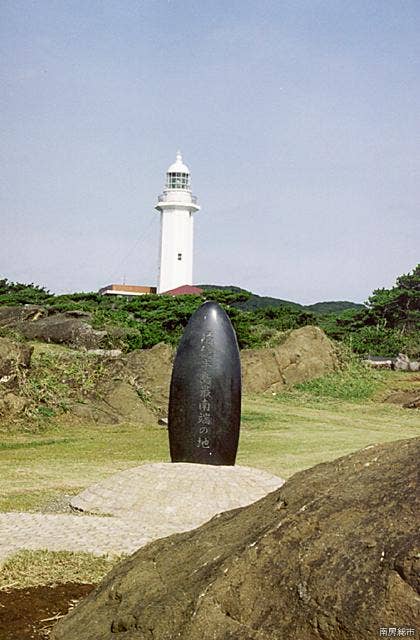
<point>205,396</point>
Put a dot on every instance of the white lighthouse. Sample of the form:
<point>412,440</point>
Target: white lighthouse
<point>176,207</point>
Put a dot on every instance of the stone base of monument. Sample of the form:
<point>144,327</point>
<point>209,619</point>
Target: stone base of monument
<point>165,498</point>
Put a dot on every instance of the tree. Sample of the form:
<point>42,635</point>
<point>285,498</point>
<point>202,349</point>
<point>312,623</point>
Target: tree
<point>18,293</point>
<point>390,323</point>
<point>226,296</point>
<point>399,307</point>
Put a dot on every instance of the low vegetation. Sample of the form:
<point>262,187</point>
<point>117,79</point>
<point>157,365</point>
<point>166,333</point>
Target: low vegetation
<point>387,325</point>
<point>354,382</point>
<point>59,376</point>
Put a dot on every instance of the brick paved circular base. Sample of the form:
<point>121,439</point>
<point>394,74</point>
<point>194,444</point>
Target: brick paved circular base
<point>145,503</point>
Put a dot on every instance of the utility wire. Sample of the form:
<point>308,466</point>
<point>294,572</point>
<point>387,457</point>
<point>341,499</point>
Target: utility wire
<point>137,244</point>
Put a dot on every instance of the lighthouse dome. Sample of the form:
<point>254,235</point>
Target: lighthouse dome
<point>178,174</point>
<point>178,166</point>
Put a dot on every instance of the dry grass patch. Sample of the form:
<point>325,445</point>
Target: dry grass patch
<point>33,568</point>
<point>34,500</point>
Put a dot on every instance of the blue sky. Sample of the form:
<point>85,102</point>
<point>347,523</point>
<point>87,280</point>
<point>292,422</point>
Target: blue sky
<point>299,121</point>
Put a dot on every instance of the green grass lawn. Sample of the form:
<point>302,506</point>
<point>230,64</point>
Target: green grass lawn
<point>37,467</point>
<point>282,434</point>
<point>291,432</point>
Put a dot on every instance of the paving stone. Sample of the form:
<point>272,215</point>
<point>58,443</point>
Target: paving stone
<point>147,502</point>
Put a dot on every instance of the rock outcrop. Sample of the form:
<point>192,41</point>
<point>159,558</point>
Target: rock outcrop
<point>331,555</point>
<point>305,354</point>
<point>151,369</point>
<point>63,328</point>
<point>135,388</point>
<point>13,316</point>
<point>38,323</point>
<point>14,358</point>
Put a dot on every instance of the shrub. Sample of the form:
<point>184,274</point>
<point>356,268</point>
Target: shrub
<point>354,382</point>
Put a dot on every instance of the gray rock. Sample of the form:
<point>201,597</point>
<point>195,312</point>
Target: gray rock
<point>332,554</point>
<point>402,362</point>
<point>13,316</point>
<point>376,362</point>
<point>62,329</point>
<point>106,353</point>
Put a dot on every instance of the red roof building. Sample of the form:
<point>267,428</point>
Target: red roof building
<point>183,290</point>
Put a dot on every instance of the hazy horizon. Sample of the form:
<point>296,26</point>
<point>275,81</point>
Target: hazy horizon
<point>299,121</point>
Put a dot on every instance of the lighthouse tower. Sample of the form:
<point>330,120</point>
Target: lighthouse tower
<point>176,206</point>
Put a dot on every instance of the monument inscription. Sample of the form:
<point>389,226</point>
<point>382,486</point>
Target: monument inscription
<point>205,395</point>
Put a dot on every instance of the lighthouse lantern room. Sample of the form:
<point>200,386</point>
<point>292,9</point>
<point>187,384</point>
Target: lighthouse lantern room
<point>176,206</point>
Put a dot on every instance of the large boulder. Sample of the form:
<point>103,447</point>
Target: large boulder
<point>63,328</point>
<point>331,555</point>
<point>136,387</point>
<point>13,316</point>
<point>305,354</point>
<point>40,323</point>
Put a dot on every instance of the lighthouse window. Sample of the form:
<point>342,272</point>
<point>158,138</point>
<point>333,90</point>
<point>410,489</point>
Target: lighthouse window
<point>179,256</point>
<point>178,181</point>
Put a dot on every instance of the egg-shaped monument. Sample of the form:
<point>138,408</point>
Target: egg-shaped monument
<point>205,395</point>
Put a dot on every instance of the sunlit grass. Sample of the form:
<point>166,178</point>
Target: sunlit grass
<point>354,383</point>
<point>282,434</point>
<point>85,454</point>
<point>299,430</point>
<point>32,568</point>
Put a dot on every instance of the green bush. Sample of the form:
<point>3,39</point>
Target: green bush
<point>354,382</point>
<point>12,293</point>
<point>381,341</point>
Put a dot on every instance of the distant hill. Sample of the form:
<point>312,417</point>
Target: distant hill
<point>334,306</point>
<point>259,302</point>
